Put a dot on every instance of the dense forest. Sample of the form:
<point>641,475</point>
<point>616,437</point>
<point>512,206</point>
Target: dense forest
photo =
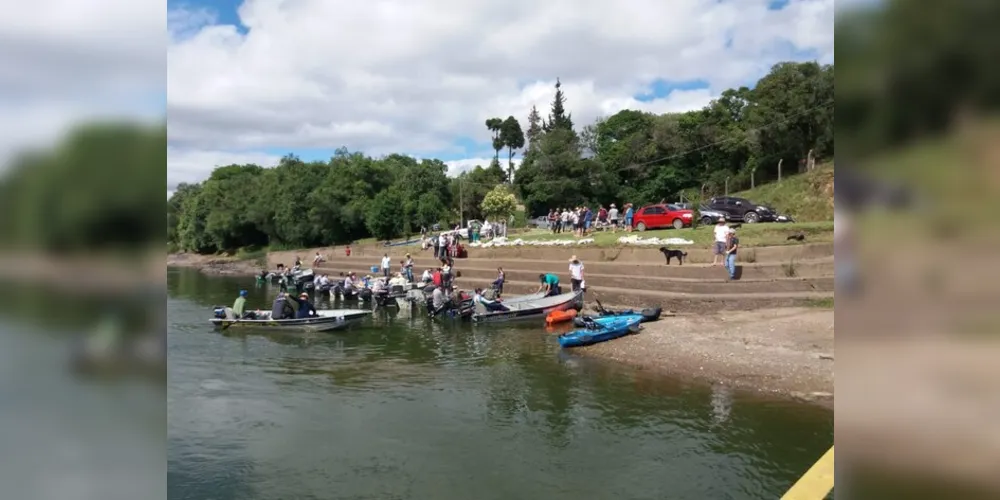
<point>630,156</point>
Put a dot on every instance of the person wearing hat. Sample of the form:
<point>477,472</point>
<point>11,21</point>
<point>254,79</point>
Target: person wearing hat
<point>575,273</point>
<point>732,246</point>
<point>629,213</point>
<point>303,306</point>
<point>721,235</point>
<point>613,217</point>
<point>240,304</point>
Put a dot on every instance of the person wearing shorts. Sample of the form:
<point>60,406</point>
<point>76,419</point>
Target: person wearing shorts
<point>721,236</point>
<point>628,217</point>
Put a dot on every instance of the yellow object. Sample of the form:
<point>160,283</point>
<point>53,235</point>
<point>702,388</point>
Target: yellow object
<point>816,483</point>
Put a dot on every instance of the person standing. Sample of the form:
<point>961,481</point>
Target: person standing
<point>575,273</point>
<point>721,236</point>
<point>732,247</point>
<point>613,218</point>
<point>629,213</point>
<point>386,264</point>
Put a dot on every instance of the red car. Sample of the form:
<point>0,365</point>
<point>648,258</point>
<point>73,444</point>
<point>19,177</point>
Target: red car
<point>662,215</point>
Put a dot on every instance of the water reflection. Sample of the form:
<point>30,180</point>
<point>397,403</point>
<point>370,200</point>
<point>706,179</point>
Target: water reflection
<point>441,410</point>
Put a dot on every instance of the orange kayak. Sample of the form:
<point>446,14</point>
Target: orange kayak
<point>560,316</point>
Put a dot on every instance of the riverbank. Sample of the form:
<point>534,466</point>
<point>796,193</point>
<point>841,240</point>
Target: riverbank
<point>784,351</point>
<point>215,264</point>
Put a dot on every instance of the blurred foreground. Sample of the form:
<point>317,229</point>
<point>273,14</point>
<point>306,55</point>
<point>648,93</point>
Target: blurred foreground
<point>918,351</point>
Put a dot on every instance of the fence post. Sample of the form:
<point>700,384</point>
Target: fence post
<point>779,169</point>
<point>727,186</point>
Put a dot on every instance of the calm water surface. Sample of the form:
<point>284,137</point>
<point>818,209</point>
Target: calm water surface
<point>402,407</point>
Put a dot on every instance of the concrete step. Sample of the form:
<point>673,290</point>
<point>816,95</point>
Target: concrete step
<point>814,268</point>
<point>669,301</point>
<point>633,254</point>
<point>668,284</point>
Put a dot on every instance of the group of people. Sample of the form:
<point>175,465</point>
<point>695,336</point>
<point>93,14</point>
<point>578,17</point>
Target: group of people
<point>285,306</point>
<point>726,246</point>
<point>582,220</point>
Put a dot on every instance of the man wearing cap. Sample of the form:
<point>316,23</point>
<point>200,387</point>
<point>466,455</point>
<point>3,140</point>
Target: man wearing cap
<point>613,217</point>
<point>305,308</point>
<point>240,304</point>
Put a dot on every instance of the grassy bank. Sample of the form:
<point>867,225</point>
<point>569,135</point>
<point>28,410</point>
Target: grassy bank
<point>751,235</point>
<point>806,197</point>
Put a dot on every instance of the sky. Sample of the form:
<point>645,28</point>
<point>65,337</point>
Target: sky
<point>249,81</point>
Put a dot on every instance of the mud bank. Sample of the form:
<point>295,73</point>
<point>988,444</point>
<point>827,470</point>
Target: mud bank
<point>787,351</point>
<point>214,264</point>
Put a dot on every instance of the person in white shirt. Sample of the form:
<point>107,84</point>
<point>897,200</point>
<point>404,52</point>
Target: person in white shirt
<point>427,276</point>
<point>721,235</point>
<point>324,280</point>
<point>564,219</point>
<point>575,273</point>
<point>613,217</point>
<point>349,281</point>
<point>386,264</point>
<point>490,305</point>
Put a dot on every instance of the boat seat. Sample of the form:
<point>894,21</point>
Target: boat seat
<point>480,309</point>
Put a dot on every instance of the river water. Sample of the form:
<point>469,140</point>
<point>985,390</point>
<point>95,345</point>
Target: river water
<point>402,407</point>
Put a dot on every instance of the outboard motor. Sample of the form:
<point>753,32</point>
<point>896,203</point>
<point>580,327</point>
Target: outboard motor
<point>219,312</point>
<point>365,294</point>
<point>337,291</point>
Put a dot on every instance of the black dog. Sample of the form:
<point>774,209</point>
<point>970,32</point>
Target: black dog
<point>796,237</point>
<point>736,226</point>
<point>669,254</point>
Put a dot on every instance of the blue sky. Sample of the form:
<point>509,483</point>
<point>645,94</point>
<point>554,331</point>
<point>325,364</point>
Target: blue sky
<point>294,41</point>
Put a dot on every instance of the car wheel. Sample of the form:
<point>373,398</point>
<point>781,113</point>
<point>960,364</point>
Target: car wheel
<point>750,217</point>
<point>641,226</point>
<point>678,224</point>
<point>706,221</point>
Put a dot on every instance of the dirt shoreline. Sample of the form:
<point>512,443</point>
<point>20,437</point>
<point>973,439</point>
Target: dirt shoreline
<point>786,352</point>
<point>214,264</point>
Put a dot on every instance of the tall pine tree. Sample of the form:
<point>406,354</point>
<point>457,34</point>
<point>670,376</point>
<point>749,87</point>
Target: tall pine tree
<point>558,119</point>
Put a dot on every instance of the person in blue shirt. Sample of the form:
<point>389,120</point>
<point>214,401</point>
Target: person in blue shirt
<point>629,213</point>
<point>550,284</point>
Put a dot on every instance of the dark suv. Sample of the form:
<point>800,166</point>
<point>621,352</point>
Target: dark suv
<point>741,209</point>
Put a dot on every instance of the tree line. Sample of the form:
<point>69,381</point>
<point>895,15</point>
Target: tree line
<point>630,156</point>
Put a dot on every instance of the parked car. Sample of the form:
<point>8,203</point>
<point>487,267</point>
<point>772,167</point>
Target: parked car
<point>541,222</point>
<point>662,215</point>
<point>709,216</point>
<point>741,209</point>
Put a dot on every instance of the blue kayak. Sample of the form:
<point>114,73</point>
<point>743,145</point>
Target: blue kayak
<point>601,329</point>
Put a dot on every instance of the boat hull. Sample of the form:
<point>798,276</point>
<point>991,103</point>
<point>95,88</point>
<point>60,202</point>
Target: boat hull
<point>571,300</point>
<point>327,320</point>
<point>607,328</point>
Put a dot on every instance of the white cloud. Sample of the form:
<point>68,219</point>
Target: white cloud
<point>195,165</point>
<point>414,77</point>
<point>64,61</point>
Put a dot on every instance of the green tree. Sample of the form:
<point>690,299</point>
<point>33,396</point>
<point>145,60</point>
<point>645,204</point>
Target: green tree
<point>512,138</point>
<point>499,203</point>
<point>385,215</point>
<point>495,125</point>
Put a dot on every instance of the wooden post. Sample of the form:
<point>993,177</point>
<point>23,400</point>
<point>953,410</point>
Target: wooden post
<point>727,186</point>
<point>779,169</point>
<point>810,161</point>
<point>752,183</point>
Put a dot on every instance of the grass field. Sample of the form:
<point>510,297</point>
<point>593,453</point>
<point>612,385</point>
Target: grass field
<point>751,235</point>
<point>806,197</point>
